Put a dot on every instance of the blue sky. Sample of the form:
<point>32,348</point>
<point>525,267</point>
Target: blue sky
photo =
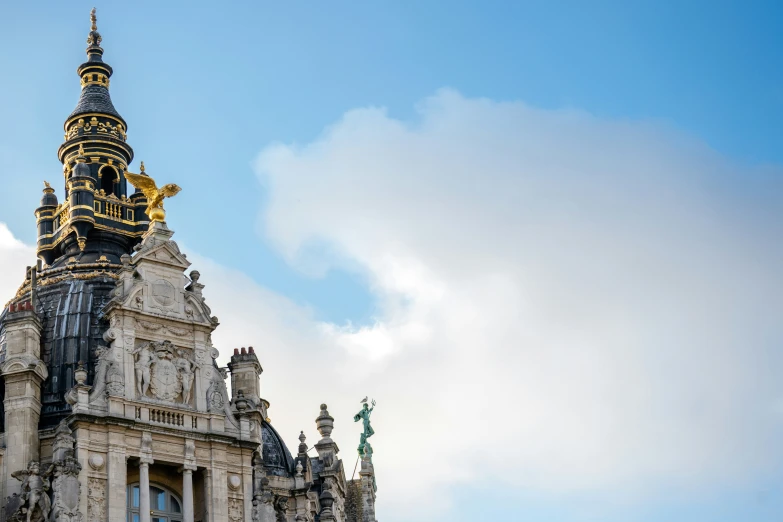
<point>209,89</point>
<point>205,86</point>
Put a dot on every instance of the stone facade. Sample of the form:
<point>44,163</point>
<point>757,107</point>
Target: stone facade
<point>114,405</point>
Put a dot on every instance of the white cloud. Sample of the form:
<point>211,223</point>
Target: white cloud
<point>14,257</point>
<point>567,302</point>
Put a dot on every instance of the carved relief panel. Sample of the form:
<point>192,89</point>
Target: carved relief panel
<point>163,371</point>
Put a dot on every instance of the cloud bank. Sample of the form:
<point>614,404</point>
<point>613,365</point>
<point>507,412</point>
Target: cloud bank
<point>565,303</point>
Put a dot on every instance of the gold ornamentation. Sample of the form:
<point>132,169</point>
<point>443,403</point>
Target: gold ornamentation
<point>82,242</point>
<point>94,38</point>
<point>154,195</point>
<point>118,131</point>
<point>95,79</point>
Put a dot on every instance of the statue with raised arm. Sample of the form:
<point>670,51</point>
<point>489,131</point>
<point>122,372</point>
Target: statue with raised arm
<point>34,493</point>
<point>364,416</point>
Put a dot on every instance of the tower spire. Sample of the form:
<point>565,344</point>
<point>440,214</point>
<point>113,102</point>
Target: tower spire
<point>99,218</point>
<point>94,38</point>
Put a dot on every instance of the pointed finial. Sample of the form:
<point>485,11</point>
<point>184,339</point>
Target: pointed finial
<point>94,38</point>
<point>141,167</point>
<point>46,184</point>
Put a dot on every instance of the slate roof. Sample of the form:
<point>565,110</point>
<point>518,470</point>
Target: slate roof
<point>95,98</point>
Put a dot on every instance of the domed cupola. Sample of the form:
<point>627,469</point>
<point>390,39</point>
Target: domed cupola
<point>49,198</point>
<point>95,123</point>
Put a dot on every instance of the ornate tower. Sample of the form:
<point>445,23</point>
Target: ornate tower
<point>99,219</point>
<point>110,384</point>
<point>82,239</point>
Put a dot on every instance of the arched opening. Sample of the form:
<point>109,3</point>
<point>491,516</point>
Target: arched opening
<point>165,506</point>
<point>109,180</point>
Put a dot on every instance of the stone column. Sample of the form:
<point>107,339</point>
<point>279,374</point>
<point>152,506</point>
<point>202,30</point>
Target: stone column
<point>367,477</point>
<point>144,490</point>
<point>23,373</point>
<point>218,485</point>
<point>117,471</point>
<point>187,495</point>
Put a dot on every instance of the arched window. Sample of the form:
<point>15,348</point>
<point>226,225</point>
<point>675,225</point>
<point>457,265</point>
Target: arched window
<point>109,179</point>
<point>165,506</point>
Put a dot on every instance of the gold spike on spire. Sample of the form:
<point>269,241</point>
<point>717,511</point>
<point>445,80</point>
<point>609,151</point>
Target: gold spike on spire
<point>94,20</point>
<point>141,167</point>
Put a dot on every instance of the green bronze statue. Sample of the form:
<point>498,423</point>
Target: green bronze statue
<point>364,416</point>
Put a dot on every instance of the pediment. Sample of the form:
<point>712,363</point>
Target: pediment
<point>164,253</point>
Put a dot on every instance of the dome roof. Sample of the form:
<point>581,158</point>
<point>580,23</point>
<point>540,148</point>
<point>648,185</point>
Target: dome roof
<point>49,198</point>
<point>95,98</point>
<point>277,459</point>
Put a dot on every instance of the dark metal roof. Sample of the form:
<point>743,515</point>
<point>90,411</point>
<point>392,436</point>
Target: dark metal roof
<point>95,98</point>
<point>277,459</point>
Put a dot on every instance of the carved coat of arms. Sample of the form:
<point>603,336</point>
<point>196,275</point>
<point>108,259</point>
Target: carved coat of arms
<point>164,378</point>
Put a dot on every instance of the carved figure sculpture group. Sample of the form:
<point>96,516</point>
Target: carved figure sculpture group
<point>164,371</point>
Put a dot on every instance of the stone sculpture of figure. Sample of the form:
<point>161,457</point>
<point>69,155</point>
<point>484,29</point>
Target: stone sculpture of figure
<point>34,488</point>
<point>144,358</point>
<point>99,383</point>
<point>109,377</point>
<point>186,369</point>
<point>364,416</point>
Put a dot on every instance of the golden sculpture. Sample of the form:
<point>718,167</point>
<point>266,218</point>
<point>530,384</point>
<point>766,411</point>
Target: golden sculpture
<point>154,195</point>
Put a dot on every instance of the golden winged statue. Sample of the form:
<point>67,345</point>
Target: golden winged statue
<point>154,195</point>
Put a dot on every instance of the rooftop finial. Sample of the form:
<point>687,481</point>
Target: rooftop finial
<point>141,167</point>
<point>94,38</point>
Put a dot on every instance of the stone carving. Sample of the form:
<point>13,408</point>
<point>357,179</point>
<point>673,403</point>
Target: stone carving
<point>263,499</point>
<point>109,377</point>
<point>235,509</point>
<point>154,327</point>
<point>65,484</point>
<point>163,293</point>
<point>281,506</point>
<point>234,482</point>
<point>34,503</point>
<point>96,461</point>
<point>187,369</point>
<point>145,450</point>
<point>142,366</point>
<point>165,383</point>
<point>66,487</point>
<point>96,500</point>
<point>217,394</point>
<point>164,371</point>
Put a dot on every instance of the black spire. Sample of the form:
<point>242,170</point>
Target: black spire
<point>99,218</point>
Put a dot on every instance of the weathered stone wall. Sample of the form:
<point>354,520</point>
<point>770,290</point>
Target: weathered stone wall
<point>353,502</point>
